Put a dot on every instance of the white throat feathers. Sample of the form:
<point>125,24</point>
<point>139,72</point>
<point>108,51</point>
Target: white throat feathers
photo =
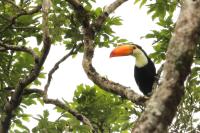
<point>140,58</point>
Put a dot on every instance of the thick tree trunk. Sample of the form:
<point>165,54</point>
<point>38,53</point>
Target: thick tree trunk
<point>163,104</point>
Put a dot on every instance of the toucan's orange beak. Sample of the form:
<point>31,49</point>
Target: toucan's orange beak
<point>122,50</point>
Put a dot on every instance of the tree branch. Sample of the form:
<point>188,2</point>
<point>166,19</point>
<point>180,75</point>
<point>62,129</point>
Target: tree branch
<point>57,103</point>
<point>16,98</point>
<point>162,106</point>
<point>108,10</point>
<point>56,66</point>
<point>3,49</point>
<point>26,91</point>
<point>78,116</point>
<point>19,48</point>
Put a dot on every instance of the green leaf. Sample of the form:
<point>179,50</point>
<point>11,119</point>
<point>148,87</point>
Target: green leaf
<point>98,11</point>
<point>25,117</point>
<point>136,1</point>
<point>150,36</point>
<point>142,3</point>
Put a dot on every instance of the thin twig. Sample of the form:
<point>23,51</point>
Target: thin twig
<point>56,66</point>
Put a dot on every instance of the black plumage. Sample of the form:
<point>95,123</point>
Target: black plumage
<point>145,76</point>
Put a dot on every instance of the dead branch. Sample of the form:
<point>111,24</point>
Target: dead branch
<point>162,106</point>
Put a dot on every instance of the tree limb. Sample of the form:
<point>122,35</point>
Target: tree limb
<point>78,116</point>
<point>75,3</point>
<point>57,103</point>
<point>26,91</point>
<point>108,10</point>
<point>162,106</point>
<point>19,48</point>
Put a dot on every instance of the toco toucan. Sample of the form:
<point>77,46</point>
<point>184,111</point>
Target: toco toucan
<point>144,72</point>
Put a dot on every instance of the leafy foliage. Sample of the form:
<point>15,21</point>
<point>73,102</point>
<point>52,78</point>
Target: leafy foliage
<point>186,118</point>
<point>162,39</point>
<point>107,112</point>
<point>45,125</point>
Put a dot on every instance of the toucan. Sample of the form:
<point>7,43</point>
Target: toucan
<point>145,71</point>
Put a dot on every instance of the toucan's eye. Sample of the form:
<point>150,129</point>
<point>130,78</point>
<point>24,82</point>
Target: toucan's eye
<point>134,47</point>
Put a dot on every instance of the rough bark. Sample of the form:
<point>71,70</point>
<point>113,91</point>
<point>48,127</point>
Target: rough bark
<point>162,106</point>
